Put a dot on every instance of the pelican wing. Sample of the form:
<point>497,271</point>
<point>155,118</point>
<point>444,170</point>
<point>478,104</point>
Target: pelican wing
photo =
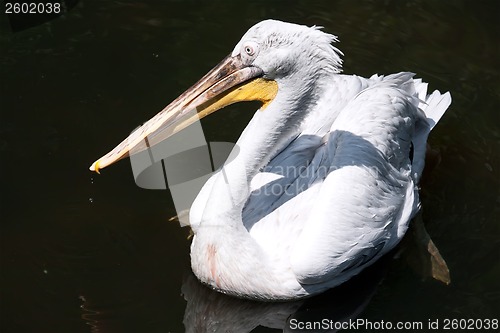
<point>334,204</point>
<point>368,198</point>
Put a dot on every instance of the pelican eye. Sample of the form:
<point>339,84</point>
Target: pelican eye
<point>249,50</point>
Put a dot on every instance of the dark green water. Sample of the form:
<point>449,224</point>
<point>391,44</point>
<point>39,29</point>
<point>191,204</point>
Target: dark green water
<point>82,252</point>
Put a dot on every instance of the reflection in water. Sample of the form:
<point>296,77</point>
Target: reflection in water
<point>210,311</point>
<point>90,316</point>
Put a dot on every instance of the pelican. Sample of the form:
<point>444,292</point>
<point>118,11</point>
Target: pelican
<point>324,180</point>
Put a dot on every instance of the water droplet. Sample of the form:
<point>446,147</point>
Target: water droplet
<point>92,180</point>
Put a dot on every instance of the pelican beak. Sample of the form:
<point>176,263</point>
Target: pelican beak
<point>229,82</point>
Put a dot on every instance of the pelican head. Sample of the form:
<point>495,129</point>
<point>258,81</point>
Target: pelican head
<point>272,60</point>
<point>282,50</point>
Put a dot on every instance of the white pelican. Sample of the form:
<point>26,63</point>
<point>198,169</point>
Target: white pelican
<point>325,181</point>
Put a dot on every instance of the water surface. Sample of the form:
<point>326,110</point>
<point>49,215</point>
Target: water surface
<point>83,252</point>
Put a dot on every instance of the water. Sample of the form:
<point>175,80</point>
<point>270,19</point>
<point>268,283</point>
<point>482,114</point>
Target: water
<point>82,252</point>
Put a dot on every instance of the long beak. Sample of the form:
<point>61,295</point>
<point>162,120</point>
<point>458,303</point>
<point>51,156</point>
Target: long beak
<point>229,82</point>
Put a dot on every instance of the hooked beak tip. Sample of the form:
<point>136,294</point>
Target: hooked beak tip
<point>95,167</point>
